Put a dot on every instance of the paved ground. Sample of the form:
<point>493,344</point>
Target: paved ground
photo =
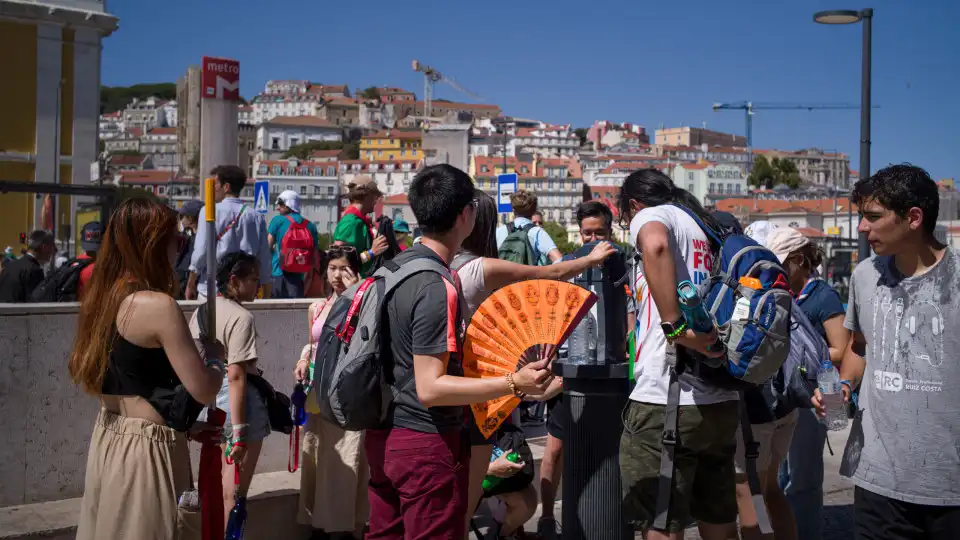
<point>838,491</point>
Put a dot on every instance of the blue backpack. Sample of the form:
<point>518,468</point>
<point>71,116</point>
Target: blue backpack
<point>754,323</point>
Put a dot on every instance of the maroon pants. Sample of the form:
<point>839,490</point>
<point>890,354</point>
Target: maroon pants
<point>418,484</point>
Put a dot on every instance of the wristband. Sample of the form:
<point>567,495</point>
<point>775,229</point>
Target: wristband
<point>215,363</point>
<point>848,383</point>
<point>679,331</point>
<point>370,254</point>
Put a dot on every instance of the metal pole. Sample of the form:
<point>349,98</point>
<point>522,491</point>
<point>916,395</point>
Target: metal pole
<point>863,253</point>
<point>211,306</point>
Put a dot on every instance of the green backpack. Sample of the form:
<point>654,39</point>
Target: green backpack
<point>516,247</point>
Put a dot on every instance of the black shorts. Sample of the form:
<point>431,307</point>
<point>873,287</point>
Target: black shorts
<point>882,518</point>
<point>558,413</point>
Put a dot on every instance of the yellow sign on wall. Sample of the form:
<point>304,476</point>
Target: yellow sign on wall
<point>834,231</point>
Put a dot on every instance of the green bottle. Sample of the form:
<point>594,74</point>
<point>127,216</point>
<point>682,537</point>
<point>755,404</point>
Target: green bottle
<point>491,481</point>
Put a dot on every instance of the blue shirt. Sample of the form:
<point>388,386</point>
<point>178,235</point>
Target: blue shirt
<point>278,227</point>
<point>248,234</point>
<point>540,240</point>
<point>821,304</point>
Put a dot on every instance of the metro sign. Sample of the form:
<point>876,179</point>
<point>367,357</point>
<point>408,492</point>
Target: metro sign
<point>221,78</point>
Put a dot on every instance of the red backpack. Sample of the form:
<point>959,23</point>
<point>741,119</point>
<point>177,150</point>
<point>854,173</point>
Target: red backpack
<point>297,248</point>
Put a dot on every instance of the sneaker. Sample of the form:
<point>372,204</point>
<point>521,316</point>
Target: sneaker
<point>548,529</point>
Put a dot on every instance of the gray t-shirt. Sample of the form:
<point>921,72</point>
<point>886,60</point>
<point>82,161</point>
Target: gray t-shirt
<point>910,395</point>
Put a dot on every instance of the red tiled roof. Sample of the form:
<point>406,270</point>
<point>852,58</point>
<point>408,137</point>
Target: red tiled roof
<point>492,162</point>
<point>122,160</point>
<point>387,91</point>
<point>146,177</point>
<point>114,114</point>
<point>625,166</point>
<point>399,198</point>
<point>766,206</point>
<point>342,102</point>
<point>313,121</point>
<point>696,166</point>
<point>245,108</point>
<point>163,131</point>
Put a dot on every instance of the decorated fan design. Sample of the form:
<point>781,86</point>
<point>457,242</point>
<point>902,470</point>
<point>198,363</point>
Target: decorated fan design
<point>516,325</point>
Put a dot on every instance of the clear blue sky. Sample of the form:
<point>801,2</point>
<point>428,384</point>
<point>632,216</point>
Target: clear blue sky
<point>561,61</point>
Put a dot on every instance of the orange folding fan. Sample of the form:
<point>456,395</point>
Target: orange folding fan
<point>513,326</point>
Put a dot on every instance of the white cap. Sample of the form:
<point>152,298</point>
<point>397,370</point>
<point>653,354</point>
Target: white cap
<point>783,242</point>
<point>291,200</point>
<point>758,231</point>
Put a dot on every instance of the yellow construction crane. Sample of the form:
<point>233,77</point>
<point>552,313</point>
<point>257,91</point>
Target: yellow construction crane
<point>430,77</point>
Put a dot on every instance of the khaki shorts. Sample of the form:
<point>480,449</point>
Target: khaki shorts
<point>136,472</point>
<point>774,439</point>
<point>704,483</point>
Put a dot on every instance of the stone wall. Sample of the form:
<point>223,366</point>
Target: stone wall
<point>46,421</point>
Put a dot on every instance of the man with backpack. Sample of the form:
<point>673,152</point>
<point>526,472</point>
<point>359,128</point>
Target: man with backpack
<point>238,228</point>
<point>674,248</point>
<point>903,310</point>
<point>419,457</point>
<point>293,239</point>
<point>522,241</point>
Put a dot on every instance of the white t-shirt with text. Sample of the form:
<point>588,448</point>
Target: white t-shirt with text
<point>693,258</point>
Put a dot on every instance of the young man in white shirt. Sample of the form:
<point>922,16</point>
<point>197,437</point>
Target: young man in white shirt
<point>674,248</point>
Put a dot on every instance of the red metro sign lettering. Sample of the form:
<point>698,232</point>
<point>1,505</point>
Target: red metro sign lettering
<point>220,78</point>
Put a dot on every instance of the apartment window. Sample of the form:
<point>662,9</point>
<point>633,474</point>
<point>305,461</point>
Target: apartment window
<point>330,191</point>
<point>276,143</point>
<point>391,142</point>
<point>737,189</point>
<point>276,169</point>
<point>524,169</point>
<point>247,192</point>
<point>379,153</point>
<point>690,188</point>
<point>331,171</point>
<point>161,190</point>
<point>303,190</point>
<point>690,176</point>
<point>712,187</point>
<point>483,168</point>
<point>403,153</point>
<point>289,187</point>
<point>316,190</point>
<point>291,171</point>
<point>294,141</point>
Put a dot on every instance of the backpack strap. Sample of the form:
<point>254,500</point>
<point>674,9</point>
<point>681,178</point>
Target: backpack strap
<point>668,441</point>
<point>808,289</point>
<point>233,223</point>
<point>713,235</point>
<point>461,259</point>
<point>751,451</point>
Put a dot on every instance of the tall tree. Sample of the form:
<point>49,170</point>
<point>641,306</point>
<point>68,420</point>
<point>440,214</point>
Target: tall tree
<point>582,134</point>
<point>370,93</point>
<point>559,235</point>
<point>763,174</point>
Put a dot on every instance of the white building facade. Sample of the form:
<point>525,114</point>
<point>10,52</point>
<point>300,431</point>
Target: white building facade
<point>266,107</point>
<point>547,140</point>
<point>392,177</point>
<point>280,134</point>
<point>316,182</point>
<point>710,182</point>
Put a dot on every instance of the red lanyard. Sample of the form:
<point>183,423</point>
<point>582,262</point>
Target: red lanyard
<point>349,327</point>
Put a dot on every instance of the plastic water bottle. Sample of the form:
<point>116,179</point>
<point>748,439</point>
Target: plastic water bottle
<point>828,381</point>
<point>582,345</point>
<point>490,481</point>
<point>694,313</point>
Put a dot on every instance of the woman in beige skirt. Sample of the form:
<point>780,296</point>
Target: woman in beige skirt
<point>134,352</point>
<point>334,471</point>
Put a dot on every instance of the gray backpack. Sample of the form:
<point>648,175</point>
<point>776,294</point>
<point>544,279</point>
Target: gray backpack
<point>354,368</point>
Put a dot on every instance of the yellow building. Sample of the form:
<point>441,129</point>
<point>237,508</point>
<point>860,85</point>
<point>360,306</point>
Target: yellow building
<point>391,144</point>
<point>50,67</point>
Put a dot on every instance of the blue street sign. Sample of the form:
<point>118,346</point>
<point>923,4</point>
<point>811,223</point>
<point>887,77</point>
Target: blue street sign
<point>261,196</point>
<point>506,186</point>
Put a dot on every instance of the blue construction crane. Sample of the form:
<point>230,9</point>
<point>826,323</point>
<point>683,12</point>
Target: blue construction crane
<point>748,107</point>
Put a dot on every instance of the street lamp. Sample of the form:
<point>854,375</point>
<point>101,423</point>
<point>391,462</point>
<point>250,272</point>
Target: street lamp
<point>848,16</point>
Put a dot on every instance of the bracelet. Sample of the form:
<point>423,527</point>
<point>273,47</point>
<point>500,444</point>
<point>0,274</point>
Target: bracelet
<point>677,332</point>
<point>370,254</point>
<point>847,382</point>
<point>215,363</point>
<point>513,387</point>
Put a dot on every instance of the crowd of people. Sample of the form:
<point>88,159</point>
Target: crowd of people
<point>424,472</point>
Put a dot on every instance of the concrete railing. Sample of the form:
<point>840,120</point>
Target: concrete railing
<point>46,420</point>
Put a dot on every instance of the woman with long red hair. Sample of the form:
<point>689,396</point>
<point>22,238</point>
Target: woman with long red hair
<point>134,352</point>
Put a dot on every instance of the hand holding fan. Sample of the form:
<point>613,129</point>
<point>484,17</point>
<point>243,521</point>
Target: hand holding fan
<point>514,326</point>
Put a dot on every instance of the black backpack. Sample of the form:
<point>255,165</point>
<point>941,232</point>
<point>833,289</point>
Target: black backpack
<point>63,285</point>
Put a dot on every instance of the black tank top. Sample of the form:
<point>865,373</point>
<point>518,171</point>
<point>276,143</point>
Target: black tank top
<point>133,370</point>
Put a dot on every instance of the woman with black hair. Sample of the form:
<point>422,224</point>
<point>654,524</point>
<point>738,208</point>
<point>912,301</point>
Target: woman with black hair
<point>664,228</point>
<point>481,273</point>
<point>247,423</point>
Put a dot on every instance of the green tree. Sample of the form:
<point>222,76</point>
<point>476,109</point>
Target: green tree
<point>559,235</point>
<point>115,98</point>
<point>768,174</point>
<point>351,150</point>
<point>370,93</point>
<point>582,134</point>
<point>303,151</point>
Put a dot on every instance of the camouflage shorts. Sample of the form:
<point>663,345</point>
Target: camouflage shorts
<point>704,485</point>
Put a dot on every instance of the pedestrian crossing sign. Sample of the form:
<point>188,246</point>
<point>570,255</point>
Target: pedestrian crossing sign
<point>260,190</point>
